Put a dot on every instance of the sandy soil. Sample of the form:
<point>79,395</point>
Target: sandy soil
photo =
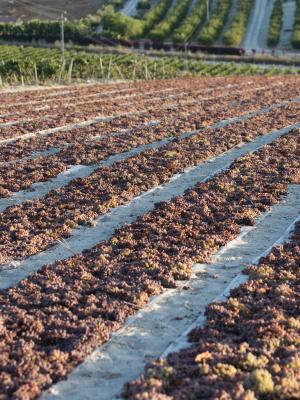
<point>45,9</point>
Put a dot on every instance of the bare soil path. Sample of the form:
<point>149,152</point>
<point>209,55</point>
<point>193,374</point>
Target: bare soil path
<point>257,32</point>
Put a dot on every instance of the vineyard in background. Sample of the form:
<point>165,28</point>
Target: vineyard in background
<point>27,65</point>
<point>164,20</point>
<point>181,22</point>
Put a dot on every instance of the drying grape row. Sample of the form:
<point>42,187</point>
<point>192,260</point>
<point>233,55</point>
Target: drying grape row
<point>22,148</point>
<point>52,320</point>
<point>36,225</point>
<point>154,132</point>
<point>249,346</point>
<point>38,117</point>
<point>23,174</point>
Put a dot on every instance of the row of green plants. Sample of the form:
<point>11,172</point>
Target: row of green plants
<point>167,20</point>
<point>78,31</point>
<point>275,23</point>
<point>157,14</point>
<point>29,65</point>
<point>119,26</point>
<point>173,19</point>
<point>212,30</point>
<point>189,26</point>
<point>296,30</point>
<point>237,30</point>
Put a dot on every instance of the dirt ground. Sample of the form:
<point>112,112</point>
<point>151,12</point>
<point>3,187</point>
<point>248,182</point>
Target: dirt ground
<point>11,10</point>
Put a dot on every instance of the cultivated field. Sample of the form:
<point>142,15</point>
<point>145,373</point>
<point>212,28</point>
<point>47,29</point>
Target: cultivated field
<point>252,24</point>
<point>126,209</point>
<point>28,65</point>
<point>249,347</point>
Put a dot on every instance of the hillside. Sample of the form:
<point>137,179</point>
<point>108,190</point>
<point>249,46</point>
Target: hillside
<point>249,23</point>
<point>44,9</point>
